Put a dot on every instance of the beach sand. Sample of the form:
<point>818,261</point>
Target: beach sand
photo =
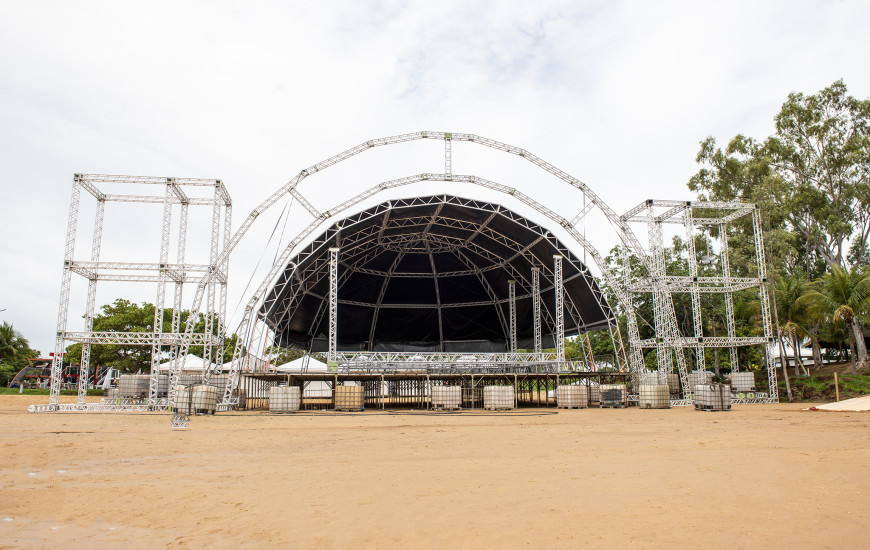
<point>759,476</point>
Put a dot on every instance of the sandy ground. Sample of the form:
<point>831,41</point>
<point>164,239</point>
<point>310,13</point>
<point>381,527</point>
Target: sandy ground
<point>756,477</point>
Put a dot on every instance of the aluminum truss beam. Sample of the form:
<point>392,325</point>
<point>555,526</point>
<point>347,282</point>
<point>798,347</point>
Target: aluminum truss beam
<point>333,303</point>
<point>560,309</point>
<point>663,286</point>
<point>174,196</point>
<point>536,306</point>
<point>619,224</point>
<point>512,308</point>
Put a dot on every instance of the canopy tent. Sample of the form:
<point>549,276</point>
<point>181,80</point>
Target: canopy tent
<point>297,365</point>
<point>431,274</point>
<point>191,363</point>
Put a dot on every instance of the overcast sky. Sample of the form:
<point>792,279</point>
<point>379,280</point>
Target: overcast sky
<point>617,94</point>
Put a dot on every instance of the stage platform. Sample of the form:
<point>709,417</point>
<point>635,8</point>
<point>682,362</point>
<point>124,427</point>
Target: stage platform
<point>384,390</point>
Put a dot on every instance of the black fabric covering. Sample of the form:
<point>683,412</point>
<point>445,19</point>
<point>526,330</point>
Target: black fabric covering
<point>464,235</point>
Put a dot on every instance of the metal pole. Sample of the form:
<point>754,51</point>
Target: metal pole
<point>84,369</point>
<point>63,307</point>
<point>333,303</point>
<point>153,390</point>
<point>536,308</point>
<point>512,304</point>
<point>560,315</point>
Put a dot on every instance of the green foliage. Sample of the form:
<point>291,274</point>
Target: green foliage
<point>859,384</point>
<point>15,351</point>
<point>279,355</point>
<point>126,316</point>
<point>810,180</point>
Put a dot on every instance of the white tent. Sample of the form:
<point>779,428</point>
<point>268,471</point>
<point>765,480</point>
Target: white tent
<point>314,388</point>
<point>191,363</point>
<point>296,366</point>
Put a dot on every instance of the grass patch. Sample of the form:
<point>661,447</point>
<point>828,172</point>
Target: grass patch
<point>821,387</point>
<point>814,382</point>
<point>859,384</point>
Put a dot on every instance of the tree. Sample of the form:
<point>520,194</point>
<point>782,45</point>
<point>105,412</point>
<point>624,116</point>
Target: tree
<point>126,316</point>
<point>810,179</point>
<point>15,351</point>
<point>844,296</point>
<point>793,313</point>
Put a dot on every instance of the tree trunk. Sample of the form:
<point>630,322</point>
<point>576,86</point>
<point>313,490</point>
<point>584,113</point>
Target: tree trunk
<point>779,337</point>
<point>797,354</point>
<point>817,354</point>
<point>859,344</point>
<point>852,351</point>
<point>783,361</point>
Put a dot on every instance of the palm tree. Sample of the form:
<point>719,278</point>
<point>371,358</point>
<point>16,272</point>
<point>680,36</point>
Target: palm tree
<point>845,297</point>
<point>793,313</point>
<point>12,343</point>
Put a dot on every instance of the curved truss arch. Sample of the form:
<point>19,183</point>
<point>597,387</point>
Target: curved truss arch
<point>443,232</point>
<point>592,201</point>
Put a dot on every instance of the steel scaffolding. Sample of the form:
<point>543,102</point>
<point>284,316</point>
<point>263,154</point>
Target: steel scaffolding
<point>536,306</point>
<point>650,275</point>
<point>699,219</point>
<point>176,195</point>
<point>560,307</point>
<point>512,305</point>
<point>333,303</point>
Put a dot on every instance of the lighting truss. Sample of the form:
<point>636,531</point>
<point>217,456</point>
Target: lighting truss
<point>653,279</point>
<point>175,196</point>
<point>697,217</point>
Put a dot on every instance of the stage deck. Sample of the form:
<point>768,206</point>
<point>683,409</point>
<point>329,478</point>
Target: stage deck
<point>411,388</point>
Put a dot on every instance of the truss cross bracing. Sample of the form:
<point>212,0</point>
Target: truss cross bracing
<point>432,235</point>
<point>178,195</point>
<point>700,220</point>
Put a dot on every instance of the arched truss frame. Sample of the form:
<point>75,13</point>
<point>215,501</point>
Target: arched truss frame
<point>668,334</point>
<point>361,246</point>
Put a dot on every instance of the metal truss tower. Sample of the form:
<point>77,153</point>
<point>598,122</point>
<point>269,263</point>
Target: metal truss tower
<point>560,315</point>
<point>180,194</point>
<point>512,306</point>
<point>650,276</point>
<point>700,218</point>
<point>536,306</point>
<point>333,303</point>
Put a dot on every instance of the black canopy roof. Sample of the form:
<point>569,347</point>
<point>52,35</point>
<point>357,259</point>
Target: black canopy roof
<point>430,274</point>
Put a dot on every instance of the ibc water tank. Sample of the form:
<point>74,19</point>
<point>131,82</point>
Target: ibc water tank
<point>285,399</point>
<point>349,398</point>
<point>498,398</point>
<point>203,399</point>
<point>446,397</point>
<point>713,397</point>
<point>654,396</point>
<point>183,404</point>
<point>700,377</point>
<point>742,381</point>
<point>613,395</point>
<point>573,396</point>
